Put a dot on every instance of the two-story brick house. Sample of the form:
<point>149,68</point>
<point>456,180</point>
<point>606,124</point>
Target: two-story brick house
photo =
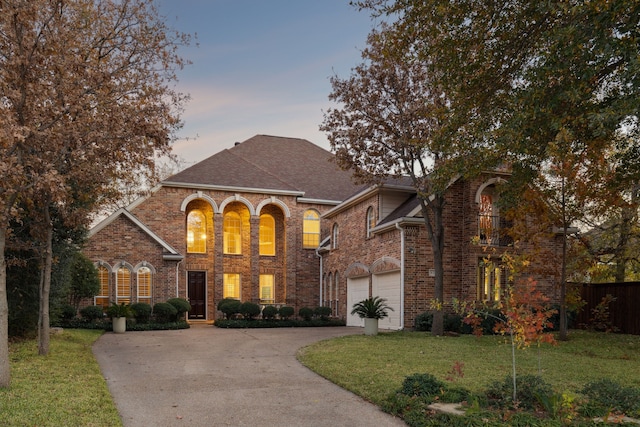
<point>244,223</point>
<point>378,246</point>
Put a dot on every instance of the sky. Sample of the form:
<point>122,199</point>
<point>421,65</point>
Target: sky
<point>261,67</point>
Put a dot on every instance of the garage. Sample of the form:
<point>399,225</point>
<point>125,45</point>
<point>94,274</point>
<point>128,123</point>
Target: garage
<point>388,286</point>
<point>357,290</point>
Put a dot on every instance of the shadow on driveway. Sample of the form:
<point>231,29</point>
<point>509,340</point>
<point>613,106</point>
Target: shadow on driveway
<point>206,376</point>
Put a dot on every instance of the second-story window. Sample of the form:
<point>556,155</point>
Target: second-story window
<point>311,229</point>
<point>196,232</point>
<point>334,236</point>
<point>232,233</point>
<point>267,235</point>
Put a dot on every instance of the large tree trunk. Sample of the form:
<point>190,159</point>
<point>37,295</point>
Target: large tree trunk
<point>5,370</point>
<point>45,287</point>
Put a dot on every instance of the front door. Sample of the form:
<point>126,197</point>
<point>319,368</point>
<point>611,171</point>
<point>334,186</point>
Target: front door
<point>197,285</point>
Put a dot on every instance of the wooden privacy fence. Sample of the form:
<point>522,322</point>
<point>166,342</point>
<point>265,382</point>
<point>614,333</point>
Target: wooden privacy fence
<point>624,312</point>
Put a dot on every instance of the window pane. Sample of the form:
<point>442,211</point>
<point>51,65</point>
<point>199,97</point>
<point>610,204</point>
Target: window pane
<point>267,235</point>
<point>311,229</point>
<point>266,288</point>
<point>103,296</point>
<point>196,232</point>
<point>232,233</point>
<point>144,284</point>
<point>231,286</point>
<point>123,286</point>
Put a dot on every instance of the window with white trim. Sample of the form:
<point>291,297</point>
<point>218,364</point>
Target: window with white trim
<point>144,285</point>
<point>231,285</point>
<point>102,299</point>
<point>196,232</point>
<point>267,235</point>
<point>334,236</point>
<point>266,288</point>
<point>371,221</point>
<point>232,229</point>
<point>311,229</point>
<point>123,285</point>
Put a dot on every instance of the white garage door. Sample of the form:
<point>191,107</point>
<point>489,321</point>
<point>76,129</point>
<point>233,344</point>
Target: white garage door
<point>387,286</point>
<point>357,290</point>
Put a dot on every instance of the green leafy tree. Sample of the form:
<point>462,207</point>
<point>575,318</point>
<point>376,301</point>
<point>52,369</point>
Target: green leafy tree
<point>84,281</point>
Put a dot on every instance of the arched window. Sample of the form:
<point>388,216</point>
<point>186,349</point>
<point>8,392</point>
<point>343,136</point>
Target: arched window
<point>196,232</point>
<point>267,235</point>
<point>232,233</point>
<point>123,285</point>
<point>144,285</point>
<point>311,229</point>
<point>334,236</point>
<point>371,221</point>
<point>102,298</point>
<point>336,281</point>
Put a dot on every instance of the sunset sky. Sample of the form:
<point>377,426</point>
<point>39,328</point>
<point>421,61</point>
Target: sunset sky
<point>261,67</point>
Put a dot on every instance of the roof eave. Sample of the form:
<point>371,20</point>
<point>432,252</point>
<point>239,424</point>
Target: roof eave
<point>195,186</point>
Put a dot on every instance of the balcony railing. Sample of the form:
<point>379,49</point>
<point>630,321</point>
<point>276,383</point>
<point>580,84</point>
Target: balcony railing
<point>492,230</point>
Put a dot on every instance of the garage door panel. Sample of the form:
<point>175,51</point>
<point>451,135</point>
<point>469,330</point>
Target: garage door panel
<point>357,290</point>
<point>387,286</point>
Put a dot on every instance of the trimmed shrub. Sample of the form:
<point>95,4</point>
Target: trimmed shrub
<point>323,312</point>
<point>141,312</point>
<point>92,312</point>
<point>306,313</point>
<point>528,387</point>
<point>607,395</point>
<point>269,312</point>
<point>164,312</point>
<point>422,385</point>
<point>68,312</point>
<point>229,307</point>
<point>424,321</point>
<point>249,310</point>
<point>182,306</point>
<point>286,312</point>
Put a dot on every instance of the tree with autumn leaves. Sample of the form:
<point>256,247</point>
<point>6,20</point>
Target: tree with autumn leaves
<point>87,101</point>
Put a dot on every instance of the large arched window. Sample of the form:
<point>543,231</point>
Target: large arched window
<point>123,285</point>
<point>311,229</point>
<point>267,235</point>
<point>232,233</point>
<point>102,298</point>
<point>196,232</point>
<point>144,285</point>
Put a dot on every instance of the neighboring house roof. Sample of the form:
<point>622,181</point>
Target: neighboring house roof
<point>169,252</point>
<point>274,163</point>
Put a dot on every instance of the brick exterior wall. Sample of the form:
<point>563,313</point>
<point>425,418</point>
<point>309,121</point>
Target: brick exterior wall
<point>357,254</point>
<point>296,270</point>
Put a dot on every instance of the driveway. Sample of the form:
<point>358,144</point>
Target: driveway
<point>206,376</point>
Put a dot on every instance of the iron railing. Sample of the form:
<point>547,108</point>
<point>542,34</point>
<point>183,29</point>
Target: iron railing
<point>492,230</point>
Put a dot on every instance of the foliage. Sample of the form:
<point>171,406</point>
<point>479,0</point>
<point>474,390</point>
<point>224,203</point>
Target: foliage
<point>286,312</point>
<point>141,312</point>
<point>80,385</point>
<point>276,323</point>
<point>610,396</point>
<point>119,310</point>
<point>372,308</point>
<point>601,317</point>
<point>423,321</point>
<point>269,312</point>
<point>306,313</point>
<point>182,306</point>
<point>422,385</point>
<point>500,393</point>
<point>249,310</point>
<point>229,307</point>
<point>164,312</point>
<point>322,312</point>
<point>84,281</point>
<point>92,312</point>
<point>68,312</point>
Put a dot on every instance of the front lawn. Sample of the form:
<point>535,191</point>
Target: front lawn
<point>64,388</point>
<point>375,367</point>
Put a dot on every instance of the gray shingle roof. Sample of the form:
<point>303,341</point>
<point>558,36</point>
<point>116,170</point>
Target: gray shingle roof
<point>273,163</point>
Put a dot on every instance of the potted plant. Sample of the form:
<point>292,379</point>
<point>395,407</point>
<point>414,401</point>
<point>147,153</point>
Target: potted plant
<point>371,310</point>
<point>119,314</point>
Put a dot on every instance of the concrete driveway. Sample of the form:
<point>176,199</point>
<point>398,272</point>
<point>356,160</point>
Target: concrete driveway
<point>205,376</point>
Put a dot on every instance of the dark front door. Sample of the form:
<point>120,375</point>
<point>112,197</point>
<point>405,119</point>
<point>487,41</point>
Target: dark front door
<point>197,294</point>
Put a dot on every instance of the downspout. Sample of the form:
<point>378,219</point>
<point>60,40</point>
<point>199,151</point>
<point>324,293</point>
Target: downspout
<point>320,256</point>
<point>402,260</point>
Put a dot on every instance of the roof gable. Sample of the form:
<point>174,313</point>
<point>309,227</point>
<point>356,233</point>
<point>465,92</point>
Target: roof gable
<point>272,163</point>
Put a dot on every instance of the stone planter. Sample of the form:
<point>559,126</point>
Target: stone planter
<point>119,325</point>
<point>370,326</point>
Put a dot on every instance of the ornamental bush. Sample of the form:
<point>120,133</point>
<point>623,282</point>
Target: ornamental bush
<point>92,312</point>
<point>182,306</point>
<point>528,388</point>
<point>164,312</point>
<point>286,312</point>
<point>306,313</point>
<point>422,385</point>
<point>249,310</point>
<point>141,312</point>
<point>229,307</point>
<point>323,312</point>
<point>269,312</point>
<point>608,395</point>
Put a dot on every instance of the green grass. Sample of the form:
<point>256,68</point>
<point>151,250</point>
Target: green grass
<point>64,388</point>
<point>373,367</point>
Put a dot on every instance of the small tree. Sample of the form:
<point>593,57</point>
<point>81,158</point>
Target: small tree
<point>84,280</point>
